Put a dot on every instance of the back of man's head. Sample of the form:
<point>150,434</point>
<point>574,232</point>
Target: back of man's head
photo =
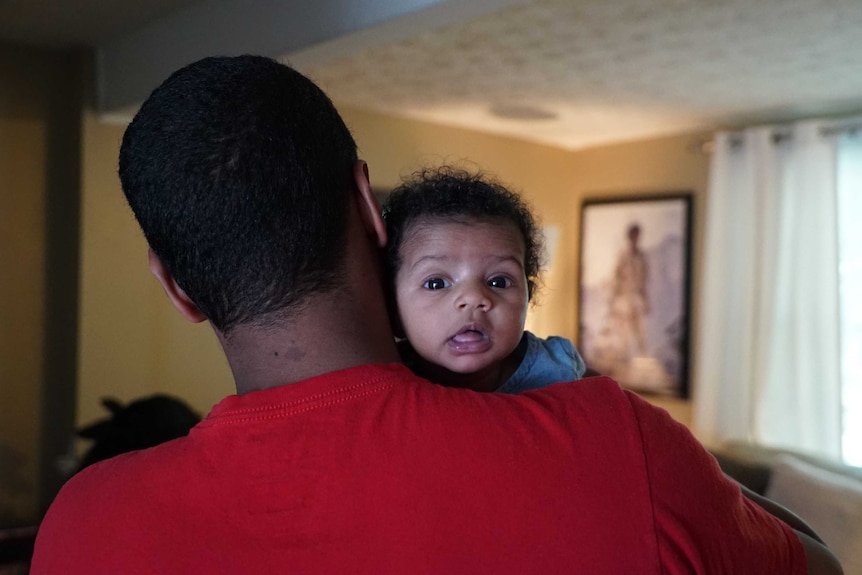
<point>239,171</point>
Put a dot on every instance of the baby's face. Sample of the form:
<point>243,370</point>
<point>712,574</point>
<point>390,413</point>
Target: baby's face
<point>462,293</point>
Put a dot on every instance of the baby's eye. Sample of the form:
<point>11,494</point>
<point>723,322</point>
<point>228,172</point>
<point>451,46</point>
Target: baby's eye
<point>499,282</point>
<point>436,283</point>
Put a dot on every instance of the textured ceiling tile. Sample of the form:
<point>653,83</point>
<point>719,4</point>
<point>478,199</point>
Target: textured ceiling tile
<point>621,69</point>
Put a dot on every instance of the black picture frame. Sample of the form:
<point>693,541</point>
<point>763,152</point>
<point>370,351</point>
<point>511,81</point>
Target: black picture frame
<point>634,287</point>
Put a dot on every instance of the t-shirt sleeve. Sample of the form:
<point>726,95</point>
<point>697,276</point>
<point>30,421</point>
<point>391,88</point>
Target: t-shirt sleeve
<point>67,532</point>
<point>703,522</point>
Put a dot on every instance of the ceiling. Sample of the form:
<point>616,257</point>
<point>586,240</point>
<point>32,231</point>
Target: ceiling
<point>568,73</point>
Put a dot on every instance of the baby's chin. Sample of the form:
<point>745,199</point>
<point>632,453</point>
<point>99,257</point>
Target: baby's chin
<point>473,366</point>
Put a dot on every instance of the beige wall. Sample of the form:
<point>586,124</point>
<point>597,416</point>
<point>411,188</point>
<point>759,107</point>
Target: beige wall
<point>133,343</point>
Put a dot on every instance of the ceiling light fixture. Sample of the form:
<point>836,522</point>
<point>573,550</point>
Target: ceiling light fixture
<point>521,112</point>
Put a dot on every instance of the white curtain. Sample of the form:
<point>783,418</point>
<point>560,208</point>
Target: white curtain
<point>768,360</point>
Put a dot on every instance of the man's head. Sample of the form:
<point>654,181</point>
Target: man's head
<point>240,173</point>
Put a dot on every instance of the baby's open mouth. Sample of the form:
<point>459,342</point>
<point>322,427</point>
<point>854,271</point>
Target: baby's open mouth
<point>470,339</point>
<point>468,336</point>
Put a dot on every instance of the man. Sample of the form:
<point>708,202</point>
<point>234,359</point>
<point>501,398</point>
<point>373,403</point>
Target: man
<point>332,457</point>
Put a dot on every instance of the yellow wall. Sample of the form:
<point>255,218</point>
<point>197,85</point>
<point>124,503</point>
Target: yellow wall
<point>133,343</point>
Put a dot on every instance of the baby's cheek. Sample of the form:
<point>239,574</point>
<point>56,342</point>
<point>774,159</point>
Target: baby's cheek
<point>413,325</point>
<point>405,312</point>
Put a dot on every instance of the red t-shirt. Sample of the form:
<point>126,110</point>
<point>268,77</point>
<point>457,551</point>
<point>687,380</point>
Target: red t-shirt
<point>372,470</point>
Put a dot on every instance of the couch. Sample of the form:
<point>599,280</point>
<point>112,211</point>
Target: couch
<point>825,493</point>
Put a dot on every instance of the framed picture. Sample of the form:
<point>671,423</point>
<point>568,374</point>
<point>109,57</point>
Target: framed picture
<point>634,285</point>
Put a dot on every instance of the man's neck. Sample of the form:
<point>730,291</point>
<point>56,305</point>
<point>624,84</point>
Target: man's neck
<point>330,331</point>
<point>328,334</point>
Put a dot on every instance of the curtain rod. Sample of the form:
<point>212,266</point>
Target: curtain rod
<point>850,126</point>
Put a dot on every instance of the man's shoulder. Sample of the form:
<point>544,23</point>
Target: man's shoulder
<point>81,524</point>
<point>607,407</point>
<point>599,394</point>
<point>119,479</point>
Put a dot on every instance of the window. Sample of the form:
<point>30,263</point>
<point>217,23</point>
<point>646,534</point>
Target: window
<point>850,285</point>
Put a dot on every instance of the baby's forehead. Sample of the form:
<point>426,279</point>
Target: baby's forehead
<point>447,236</point>
<point>430,222</point>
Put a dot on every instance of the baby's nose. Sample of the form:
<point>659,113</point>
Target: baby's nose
<point>474,297</point>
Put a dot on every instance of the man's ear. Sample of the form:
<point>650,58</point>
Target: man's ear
<point>369,208</point>
<point>175,293</point>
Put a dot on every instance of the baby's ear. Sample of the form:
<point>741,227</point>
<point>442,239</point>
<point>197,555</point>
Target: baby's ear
<point>397,328</point>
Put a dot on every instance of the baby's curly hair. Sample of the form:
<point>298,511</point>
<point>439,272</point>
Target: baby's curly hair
<point>448,194</point>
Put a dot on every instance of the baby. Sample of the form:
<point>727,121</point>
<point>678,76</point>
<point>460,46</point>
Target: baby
<point>464,255</point>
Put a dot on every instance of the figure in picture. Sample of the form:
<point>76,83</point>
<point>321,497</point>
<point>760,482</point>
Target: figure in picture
<point>629,302</point>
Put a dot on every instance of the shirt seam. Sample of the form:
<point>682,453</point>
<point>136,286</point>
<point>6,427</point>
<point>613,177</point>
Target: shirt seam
<point>649,485</point>
<point>230,419</point>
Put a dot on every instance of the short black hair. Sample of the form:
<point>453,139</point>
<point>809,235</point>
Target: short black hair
<point>448,194</point>
<point>239,171</point>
